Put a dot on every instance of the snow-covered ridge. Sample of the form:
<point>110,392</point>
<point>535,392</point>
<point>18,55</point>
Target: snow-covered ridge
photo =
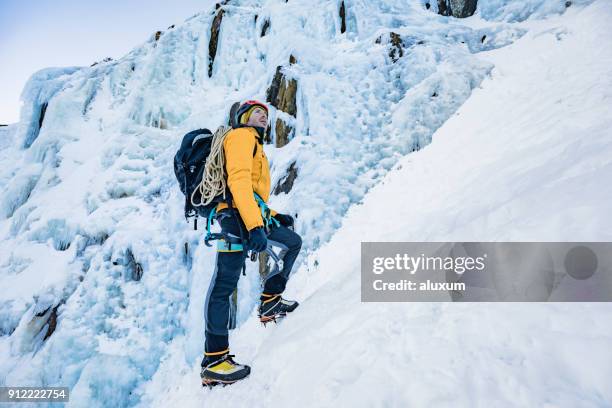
<point>91,232</point>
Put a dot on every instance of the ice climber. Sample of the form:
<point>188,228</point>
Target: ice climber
<point>248,179</point>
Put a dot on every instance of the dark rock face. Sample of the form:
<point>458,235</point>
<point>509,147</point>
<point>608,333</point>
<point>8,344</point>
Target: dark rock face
<point>41,118</point>
<point>282,95</point>
<point>273,89</point>
<point>50,314</point>
<point>397,46</point>
<point>443,8</point>
<point>457,8</point>
<point>133,268</point>
<point>107,59</point>
<point>265,27</point>
<point>283,132</point>
<point>286,96</point>
<point>282,92</point>
<point>267,137</point>
<point>286,183</point>
<point>157,35</point>
<point>34,127</point>
<point>272,92</point>
<point>342,13</point>
<point>52,323</point>
<point>462,8</point>
<point>396,51</point>
<point>214,39</point>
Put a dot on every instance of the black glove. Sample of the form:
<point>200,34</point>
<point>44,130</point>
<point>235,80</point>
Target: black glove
<point>257,239</point>
<point>284,219</point>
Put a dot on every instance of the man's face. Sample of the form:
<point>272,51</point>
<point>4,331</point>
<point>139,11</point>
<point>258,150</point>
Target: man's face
<point>258,117</point>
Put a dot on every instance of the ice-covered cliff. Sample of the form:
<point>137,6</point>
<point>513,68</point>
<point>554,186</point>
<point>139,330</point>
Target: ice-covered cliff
<point>98,289</point>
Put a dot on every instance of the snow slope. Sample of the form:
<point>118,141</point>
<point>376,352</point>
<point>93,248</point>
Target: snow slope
<point>527,157</point>
<point>92,194</point>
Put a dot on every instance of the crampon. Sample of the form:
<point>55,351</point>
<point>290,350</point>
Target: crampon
<point>275,318</point>
<point>275,308</point>
<point>210,383</point>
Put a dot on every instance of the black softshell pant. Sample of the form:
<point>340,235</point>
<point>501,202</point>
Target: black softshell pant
<point>227,272</point>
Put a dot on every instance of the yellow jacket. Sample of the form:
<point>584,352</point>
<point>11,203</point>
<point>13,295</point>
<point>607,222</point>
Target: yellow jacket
<point>246,174</point>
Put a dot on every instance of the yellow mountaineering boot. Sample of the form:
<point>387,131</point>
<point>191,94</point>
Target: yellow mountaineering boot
<point>223,370</point>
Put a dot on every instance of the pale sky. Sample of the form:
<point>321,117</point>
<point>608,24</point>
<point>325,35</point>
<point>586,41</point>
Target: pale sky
<point>36,34</point>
